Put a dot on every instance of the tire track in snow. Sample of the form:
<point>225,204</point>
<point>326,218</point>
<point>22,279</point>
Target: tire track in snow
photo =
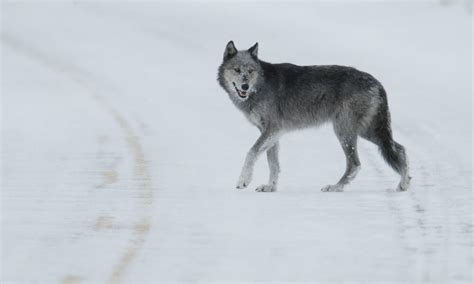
<point>396,202</point>
<point>439,204</point>
<point>142,173</point>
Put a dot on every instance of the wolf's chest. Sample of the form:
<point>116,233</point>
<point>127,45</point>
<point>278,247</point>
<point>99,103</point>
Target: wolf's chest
<point>255,118</point>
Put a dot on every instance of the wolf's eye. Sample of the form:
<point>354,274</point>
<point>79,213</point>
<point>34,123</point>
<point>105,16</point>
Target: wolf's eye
<point>237,70</point>
<point>250,71</point>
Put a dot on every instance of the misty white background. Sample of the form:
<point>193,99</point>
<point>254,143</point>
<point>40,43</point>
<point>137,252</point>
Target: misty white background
<point>120,152</point>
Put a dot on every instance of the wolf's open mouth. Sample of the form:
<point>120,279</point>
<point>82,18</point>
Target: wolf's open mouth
<point>242,94</point>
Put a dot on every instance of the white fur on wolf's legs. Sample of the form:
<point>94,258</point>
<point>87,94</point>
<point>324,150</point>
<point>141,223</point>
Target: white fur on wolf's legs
<point>345,180</point>
<point>247,171</point>
<point>404,183</point>
<point>274,165</point>
<point>244,179</point>
<point>333,188</point>
<point>265,141</point>
<point>266,188</point>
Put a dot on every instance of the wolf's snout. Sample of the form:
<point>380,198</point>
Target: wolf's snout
<point>245,87</point>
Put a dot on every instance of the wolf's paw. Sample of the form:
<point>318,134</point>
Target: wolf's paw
<point>404,184</point>
<point>244,180</point>
<point>332,188</point>
<point>266,188</point>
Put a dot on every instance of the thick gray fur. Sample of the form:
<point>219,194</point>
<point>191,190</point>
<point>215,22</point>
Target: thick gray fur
<point>279,98</point>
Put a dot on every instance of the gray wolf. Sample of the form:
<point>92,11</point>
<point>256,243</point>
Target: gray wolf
<point>278,98</point>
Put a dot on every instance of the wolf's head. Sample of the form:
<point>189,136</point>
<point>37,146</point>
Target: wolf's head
<point>240,72</point>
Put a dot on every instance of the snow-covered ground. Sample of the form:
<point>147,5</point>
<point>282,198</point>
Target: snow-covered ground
<point>121,152</point>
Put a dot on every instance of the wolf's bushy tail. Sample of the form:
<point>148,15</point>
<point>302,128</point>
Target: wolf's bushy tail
<point>394,154</point>
<point>380,133</point>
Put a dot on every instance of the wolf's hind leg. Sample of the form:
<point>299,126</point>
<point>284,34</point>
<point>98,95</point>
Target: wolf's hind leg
<point>348,140</point>
<point>274,166</point>
<point>395,155</point>
<point>379,132</point>
<point>392,152</point>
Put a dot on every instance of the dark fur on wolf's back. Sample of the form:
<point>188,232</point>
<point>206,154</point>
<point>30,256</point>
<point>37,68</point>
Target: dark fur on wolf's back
<point>284,97</point>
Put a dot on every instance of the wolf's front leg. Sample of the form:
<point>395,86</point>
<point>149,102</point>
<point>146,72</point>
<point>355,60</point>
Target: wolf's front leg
<point>266,140</point>
<point>274,166</point>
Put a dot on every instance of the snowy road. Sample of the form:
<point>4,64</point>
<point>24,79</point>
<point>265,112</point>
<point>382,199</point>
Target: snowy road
<point>120,152</point>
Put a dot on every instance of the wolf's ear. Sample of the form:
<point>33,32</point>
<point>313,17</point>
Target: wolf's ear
<point>230,50</point>
<point>254,50</point>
